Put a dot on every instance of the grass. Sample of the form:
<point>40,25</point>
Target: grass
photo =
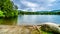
<point>44,32</point>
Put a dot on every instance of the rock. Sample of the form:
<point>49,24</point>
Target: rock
<point>51,27</point>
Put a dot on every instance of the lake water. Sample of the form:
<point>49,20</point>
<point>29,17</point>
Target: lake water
<point>30,20</point>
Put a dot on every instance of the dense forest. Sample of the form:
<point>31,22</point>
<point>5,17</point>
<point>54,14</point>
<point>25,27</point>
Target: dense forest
<point>54,12</point>
<point>8,9</point>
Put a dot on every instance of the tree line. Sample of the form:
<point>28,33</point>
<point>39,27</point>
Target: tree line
<point>40,13</point>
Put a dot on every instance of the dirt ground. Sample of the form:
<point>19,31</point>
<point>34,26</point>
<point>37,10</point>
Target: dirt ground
<point>8,29</point>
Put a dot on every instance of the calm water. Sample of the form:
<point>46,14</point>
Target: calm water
<point>30,20</point>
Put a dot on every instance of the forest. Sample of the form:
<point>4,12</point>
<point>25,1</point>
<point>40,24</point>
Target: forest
<point>40,12</point>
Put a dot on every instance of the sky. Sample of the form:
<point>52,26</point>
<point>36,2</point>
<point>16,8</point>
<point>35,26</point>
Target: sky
<point>37,5</point>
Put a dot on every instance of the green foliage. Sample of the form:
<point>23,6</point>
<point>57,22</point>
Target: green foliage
<point>1,14</point>
<point>8,8</point>
<point>45,32</point>
<point>40,13</point>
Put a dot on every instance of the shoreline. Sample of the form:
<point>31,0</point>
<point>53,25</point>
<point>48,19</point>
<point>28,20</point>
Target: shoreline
<point>29,29</point>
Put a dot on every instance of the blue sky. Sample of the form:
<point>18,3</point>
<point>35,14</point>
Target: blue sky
<point>37,5</point>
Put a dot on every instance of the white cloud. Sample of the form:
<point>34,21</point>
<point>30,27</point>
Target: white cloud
<point>29,4</point>
<point>33,9</point>
<point>44,5</point>
<point>37,9</point>
<point>50,5</point>
<point>42,8</point>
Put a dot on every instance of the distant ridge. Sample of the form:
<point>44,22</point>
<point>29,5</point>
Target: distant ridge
<point>41,11</point>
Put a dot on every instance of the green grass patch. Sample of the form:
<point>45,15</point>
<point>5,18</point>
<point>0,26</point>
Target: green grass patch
<point>45,32</point>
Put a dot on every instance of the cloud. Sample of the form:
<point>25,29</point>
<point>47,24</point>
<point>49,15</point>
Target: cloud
<point>42,5</point>
<point>35,5</point>
<point>50,5</point>
<point>42,8</point>
<point>29,4</point>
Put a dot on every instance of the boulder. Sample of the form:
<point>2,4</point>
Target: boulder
<point>50,27</point>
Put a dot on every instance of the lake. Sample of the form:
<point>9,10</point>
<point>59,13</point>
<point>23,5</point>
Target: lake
<point>30,20</point>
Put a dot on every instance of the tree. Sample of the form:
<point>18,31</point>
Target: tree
<point>1,14</point>
<point>8,7</point>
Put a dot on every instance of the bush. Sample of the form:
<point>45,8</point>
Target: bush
<point>2,14</point>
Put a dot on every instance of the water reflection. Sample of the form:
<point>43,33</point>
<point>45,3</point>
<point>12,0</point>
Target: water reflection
<point>38,19</point>
<point>8,21</point>
<point>30,20</point>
